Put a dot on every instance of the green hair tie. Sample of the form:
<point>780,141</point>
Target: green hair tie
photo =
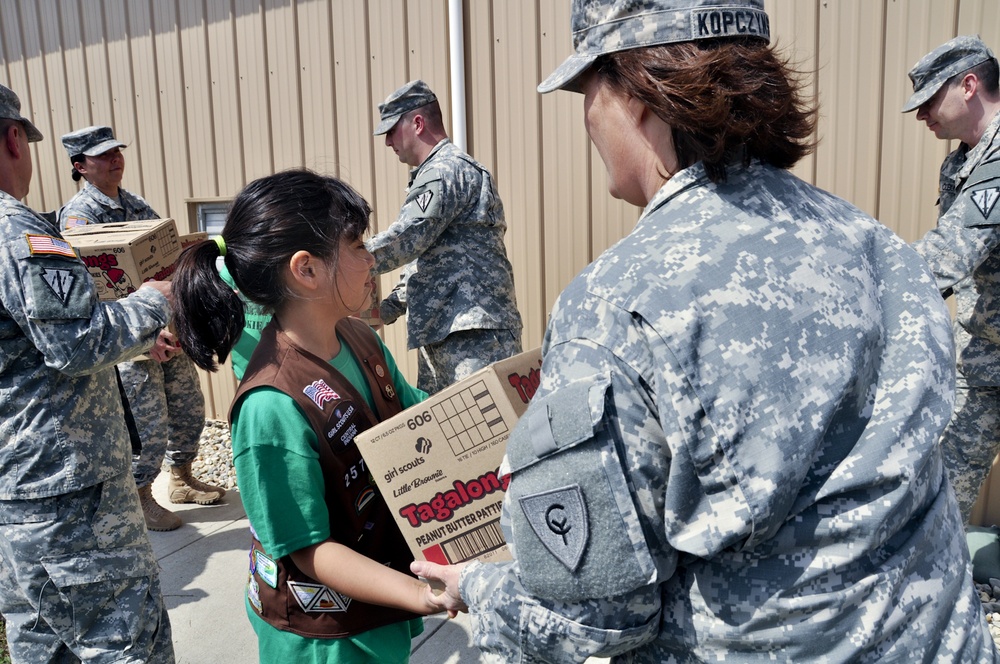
<point>221,243</point>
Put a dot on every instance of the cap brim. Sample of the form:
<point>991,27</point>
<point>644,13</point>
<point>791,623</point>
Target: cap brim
<point>565,76</point>
<point>386,125</point>
<point>32,131</point>
<point>101,148</point>
<point>920,97</point>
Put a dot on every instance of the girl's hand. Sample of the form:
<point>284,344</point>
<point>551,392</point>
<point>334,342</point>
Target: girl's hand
<point>450,599</point>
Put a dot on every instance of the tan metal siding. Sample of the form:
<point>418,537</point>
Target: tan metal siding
<point>909,184</point>
<point>316,91</point>
<point>194,111</point>
<point>517,169</point>
<point>224,67</point>
<point>795,30</point>
<point>850,100</point>
<point>565,162</point>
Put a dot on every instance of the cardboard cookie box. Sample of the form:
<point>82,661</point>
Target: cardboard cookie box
<point>437,463</point>
<point>121,256</point>
<point>192,238</point>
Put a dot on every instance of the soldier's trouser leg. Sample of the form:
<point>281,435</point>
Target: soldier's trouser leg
<point>79,579</point>
<point>461,354</point>
<point>185,409</point>
<point>143,381</point>
<point>971,441</point>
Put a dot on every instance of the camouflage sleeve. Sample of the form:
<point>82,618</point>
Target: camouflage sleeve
<point>71,216</point>
<point>394,304</point>
<point>967,233</point>
<point>54,303</point>
<point>508,622</point>
<point>432,202</point>
<point>584,516</point>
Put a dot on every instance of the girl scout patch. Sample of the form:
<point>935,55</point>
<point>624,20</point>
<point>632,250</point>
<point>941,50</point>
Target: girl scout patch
<point>48,245</point>
<point>253,594</point>
<point>317,598</point>
<point>320,392</point>
<point>266,568</point>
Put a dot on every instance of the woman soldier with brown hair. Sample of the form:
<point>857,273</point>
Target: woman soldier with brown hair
<point>732,455</point>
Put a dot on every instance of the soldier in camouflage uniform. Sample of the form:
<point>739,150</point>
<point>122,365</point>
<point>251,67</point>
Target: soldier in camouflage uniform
<point>459,285</point>
<point>166,399</point>
<point>78,578</point>
<point>732,455</point>
<point>955,90</point>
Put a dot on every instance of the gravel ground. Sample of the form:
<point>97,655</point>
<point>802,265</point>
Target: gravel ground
<point>214,464</point>
<point>989,593</point>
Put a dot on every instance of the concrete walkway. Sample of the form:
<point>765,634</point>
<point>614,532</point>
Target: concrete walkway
<point>203,569</point>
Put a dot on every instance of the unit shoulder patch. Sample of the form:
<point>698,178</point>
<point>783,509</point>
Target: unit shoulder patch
<point>424,199</point>
<point>559,520</point>
<point>985,200</point>
<point>60,281</point>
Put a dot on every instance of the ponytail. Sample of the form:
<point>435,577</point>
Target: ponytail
<point>209,315</point>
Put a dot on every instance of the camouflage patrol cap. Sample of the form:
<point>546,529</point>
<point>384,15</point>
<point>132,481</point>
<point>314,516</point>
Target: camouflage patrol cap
<point>10,109</point>
<point>607,26</point>
<point>90,141</point>
<point>412,95</point>
<point>934,69</point>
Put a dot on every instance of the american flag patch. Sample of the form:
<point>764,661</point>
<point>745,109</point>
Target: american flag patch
<point>320,393</point>
<point>76,221</point>
<point>46,244</point>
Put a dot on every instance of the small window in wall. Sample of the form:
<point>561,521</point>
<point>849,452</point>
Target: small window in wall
<point>212,217</point>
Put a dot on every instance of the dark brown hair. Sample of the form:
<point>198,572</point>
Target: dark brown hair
<point>987,72</point>
<point>432,115</point>
<point>77,159</point>
<point>724,99</point>
<point>270,219</point>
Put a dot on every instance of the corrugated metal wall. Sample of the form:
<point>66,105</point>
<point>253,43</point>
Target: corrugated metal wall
<point>213,93</point>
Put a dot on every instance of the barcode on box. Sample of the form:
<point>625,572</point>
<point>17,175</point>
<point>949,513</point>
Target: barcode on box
<point>474,543</point>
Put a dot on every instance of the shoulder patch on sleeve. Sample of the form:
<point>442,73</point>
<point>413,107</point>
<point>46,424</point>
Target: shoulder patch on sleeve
<point>985,199</point>
<point>72,222</point>
<point>61,283</point>
<point>423,200</point>
<point>49,246</point>
<point>559,519</point>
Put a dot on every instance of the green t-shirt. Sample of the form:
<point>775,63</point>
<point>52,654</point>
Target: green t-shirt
<point>275,451</point>
<point>389,644</point>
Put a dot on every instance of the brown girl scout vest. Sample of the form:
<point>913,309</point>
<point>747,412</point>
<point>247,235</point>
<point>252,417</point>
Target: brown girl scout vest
<point>279,592</point>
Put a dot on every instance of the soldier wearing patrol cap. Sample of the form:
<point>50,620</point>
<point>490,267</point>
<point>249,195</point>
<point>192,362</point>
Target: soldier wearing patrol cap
<point>458,286</point>
<point>165,397</point>
<point>78,579</point>
<point>732,455</point>
<point>955,91</point>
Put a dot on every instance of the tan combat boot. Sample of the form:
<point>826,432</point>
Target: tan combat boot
<point>185,488</point>
<point>157,518</point>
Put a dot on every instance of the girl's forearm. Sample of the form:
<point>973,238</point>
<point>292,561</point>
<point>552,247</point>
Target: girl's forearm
<point>359,577</point>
